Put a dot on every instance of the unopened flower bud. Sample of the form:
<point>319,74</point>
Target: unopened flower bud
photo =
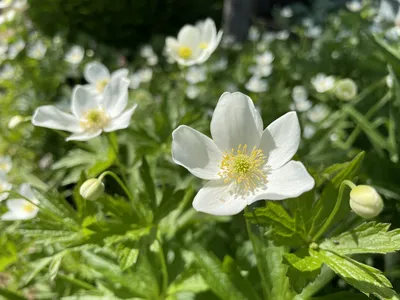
<point>345,89</point>
<point>15,121</point>
<point>92,189</point>
<point>365,201</point>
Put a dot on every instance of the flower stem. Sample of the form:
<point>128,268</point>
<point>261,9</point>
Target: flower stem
<point>110,138</point>
<point>335,209</point>
<point>323,279</point>
<point>164,270</point>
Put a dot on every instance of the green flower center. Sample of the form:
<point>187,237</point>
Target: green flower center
<point>95,119</point>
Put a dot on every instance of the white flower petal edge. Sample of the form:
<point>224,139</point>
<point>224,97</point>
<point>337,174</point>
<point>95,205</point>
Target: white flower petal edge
<point>235,122</point>
<point>281,139</point>
<point>289,181</point>
<point>196,152</point>
<point>122,121</point>
<point>21,209</point>
<point>216,198</point>
<point>51,117</point>
<point>95,72</point>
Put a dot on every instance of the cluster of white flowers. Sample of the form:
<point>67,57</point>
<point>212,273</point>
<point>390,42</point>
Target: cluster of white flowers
<point>301,102</point>
<point>96,107</point>
<point>148,53</point>
<point>140,76</point>
<point>262,68</point>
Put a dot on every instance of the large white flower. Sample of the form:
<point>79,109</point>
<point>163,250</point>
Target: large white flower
<point>194,44</point>
<point>242,162</point>
<point>90,115</point>
<point>99,76</point>
<point>21,209</point>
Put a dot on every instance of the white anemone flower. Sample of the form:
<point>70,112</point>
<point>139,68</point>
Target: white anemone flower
<point>323,83</point>
<point>261,70</point>
<point>192,91</point>
<point>99,76</point>
<point>90,115</point>
<point>256,85</point>
<point>37,50</point>
<point>5,3</point>
<point>74,55</point>
<point>243,162</point>
<point>7,72</point>
<point>4,186</point>
<point>287,12</point>
<point>318,113</point>
<point>299,93</point>
<point>265,58</point>
<point>15,48</point>
<point>354,5</point>
<point>303,105</point>
<point>5,164</point>
<point>194,44</point>
<point>196,74</point>
<point>21,209</point>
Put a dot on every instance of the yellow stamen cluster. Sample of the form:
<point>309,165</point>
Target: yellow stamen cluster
<point>203,45</point>
<point>28,207</point>
<point>3,166</point>
<point>185,52</point>
<point>94,119</point>
<point>247,170</point>
<point>101,85</point>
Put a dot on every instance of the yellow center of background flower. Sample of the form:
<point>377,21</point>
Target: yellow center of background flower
<point>245,169</point>
<point>28,207</point>
<point>95,119</point>
<point>185,52</point>
<point>100,85</point>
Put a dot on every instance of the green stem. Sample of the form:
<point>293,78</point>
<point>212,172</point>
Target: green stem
<point>264,283</point>
<point>119,181</point>
<point>164,270</point>
<point>335,209</point>
<point>77,282</point>
<point>323,279</point>
<point>117,161</point>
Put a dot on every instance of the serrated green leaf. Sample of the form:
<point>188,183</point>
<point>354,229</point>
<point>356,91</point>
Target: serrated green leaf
<point>55,265</point>
<point>369,237</point>
<point>325,204</point>
<point>211,270</point>
<point>363,277</point>
<point>283,228</point>
<point>303,268</point>
<point>148,183</point>
<point>190,281</point>
<point>36,267</point>
<point>127,257</point>
<point>343,296</point>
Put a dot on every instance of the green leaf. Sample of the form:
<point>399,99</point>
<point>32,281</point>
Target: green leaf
<point>363,277</point>
<point>127,257</point>
<point>283,228</point>
<point>189,281</point>
<point>37,266</point>
<point>169,202</point>
<point>244,286</point>
<point>148,183</point>
<point>391,55</point>
<point>325,204</point>
<point>343,296</point>
<point>55,265</point>
<point>367,238</point>
<point>303,268</point>
<point>211,270</point>
<point>10,295</point>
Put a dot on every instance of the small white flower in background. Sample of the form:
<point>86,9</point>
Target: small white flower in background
<point>354,5</point>
<point>265,58</point>
<point>7,72</point>
<point>196,74</point>
<point>14,122</point>
<point>389,81</point>
<point>134,81</point>
<point>303,105</point>
<point>20,4</point>
<point>145,74</point>
<point>3,49</point>
<point>268,37</point>
<point>243,162</point>
<point>260,70</point>
<point>10,15</point>
<point>227,41</point>
<point>194,44</point>
<point>256,85</point>
<point>21,209</point>
<point>282,35</point>
<point>99,77</point>
<point>5,3</point>
<point>152,60</point>
<point>307,22</point>
<point>309,131</point>
<point>323,83</point>
<point>146,51</point>
<point>15,48</point>
<point>313,32</point>
<point>219,65</point>
<point>318,113</point>
<point>90,115</point>
<point>345,89</point>
<point>386,12</point>
<point>254,34</point>
<point>4,186</point>
<point>192,91</point>
<point>365,201</point>
<point>74,55</point>
<point>37,50</point>
<point>287,12</point>
<point>299,93</point>
<point>46,161</point>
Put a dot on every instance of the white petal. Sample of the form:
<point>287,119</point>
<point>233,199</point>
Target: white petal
<point>83,136</point>
<point>235,121</point>
<point>209,31</point>
<point>218,198</point>
<point>26,191</point>
<point>82,101</point>
<point>172,44</point>
<point>95,72</point>
<point>116,97</point>
<point>281,139</point>
<point>290,181</point>
<point>51,117</point>
<point>16,205</point>
<point>122,121</point>
<point>196,152</point>
<point>9,216</point>
<point>189,36</point>
<point>120,73</point>
<point>17,211</point>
